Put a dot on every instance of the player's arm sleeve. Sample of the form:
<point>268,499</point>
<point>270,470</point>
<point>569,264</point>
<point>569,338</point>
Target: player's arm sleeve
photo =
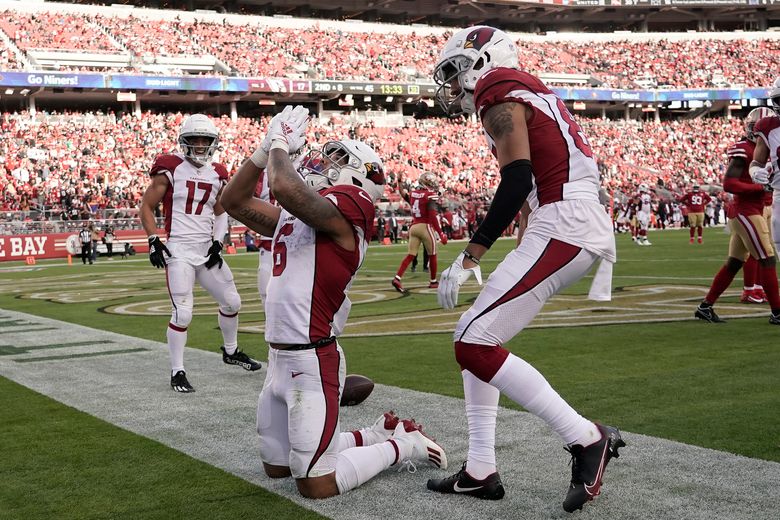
<point>495,89</point>
<point>516,183</point>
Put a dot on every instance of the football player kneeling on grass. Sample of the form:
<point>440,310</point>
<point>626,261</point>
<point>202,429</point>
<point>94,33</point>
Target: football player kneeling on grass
<point>320,231</point>
<point>189,185</point>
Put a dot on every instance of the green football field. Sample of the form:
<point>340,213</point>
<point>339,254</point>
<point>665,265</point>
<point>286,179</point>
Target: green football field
<point>641,362</point>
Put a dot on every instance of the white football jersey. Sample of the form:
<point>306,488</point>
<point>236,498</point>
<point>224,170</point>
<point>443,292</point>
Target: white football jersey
<point>768,129</point>
<point>306,298</point>
<point>644,203</point>
<point>188,205</point>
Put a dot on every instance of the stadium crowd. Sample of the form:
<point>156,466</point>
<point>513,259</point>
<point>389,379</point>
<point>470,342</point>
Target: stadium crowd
<point>74,164</point>
<point>326,53</point>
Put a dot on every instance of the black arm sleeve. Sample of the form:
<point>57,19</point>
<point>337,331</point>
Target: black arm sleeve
<point>516,183</point>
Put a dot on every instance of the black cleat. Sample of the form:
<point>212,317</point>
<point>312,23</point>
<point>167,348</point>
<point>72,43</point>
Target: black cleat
<point>707,313</point>
<point>461,483</point>
<point>241,359</point>
<point>179,383</point>
<point>774,319</point>
<point>588,465</point>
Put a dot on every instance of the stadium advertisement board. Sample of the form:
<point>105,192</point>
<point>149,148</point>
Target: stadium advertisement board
<point>52,79</point>
<point>582,94</point>
<point>165,83</point>
<point>700,94</point>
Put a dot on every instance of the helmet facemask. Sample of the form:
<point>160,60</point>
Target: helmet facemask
<point>196,152</point>
<point>337,163</point>
<point>445,73</point>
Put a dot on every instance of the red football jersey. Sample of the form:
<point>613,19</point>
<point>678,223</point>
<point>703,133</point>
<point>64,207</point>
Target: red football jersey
<point>746,203</point>
<point>562,160</point>
<point>419,199</point>
<point>695,201</point>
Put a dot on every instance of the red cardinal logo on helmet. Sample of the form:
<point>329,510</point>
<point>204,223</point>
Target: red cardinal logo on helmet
<point>478,38</point>
<point>374,173</point>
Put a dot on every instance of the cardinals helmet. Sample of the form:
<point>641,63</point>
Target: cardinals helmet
<point>344,162</point>
<point>754,117</point>
<point>466,56</point>
<point>428,180</point>
<point>643,188</point>
<point>198,125</point>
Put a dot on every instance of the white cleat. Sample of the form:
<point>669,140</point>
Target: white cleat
<point>385,425</point>
<point>423,447</point>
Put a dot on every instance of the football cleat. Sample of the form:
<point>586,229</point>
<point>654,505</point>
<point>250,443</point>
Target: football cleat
<point>461,483</point>
<point>646,242</point>
<point>385,425</point>
<point>423,447</point>
<point>241,359</point>
<point>588,465</point>
<point>707,313</point>
<point>752,296</point>
<point>701,240</point>
<point>398,286</point>
<point>774,319</point>
<point>691,242</point>
<point>433,285</point>
<point>760,294</point>
<point>179,383</point>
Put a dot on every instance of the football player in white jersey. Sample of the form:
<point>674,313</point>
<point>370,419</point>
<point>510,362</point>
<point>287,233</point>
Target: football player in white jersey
<point>321,229</point>
<point>188,184</point>
<point>540,147</point>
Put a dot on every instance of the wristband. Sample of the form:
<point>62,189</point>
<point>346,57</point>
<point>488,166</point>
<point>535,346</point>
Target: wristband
<point>259,158</point>
<point>280,144</point>
<point>471,257</point>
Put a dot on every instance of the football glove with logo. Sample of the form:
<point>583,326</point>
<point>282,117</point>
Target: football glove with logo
<point>451,280</point>
<point>157,252</point>
<point>288,126</point>
<point>215,255</point>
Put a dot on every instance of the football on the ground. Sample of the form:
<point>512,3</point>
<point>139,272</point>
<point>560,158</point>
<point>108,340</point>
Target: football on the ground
<point>356,389</point>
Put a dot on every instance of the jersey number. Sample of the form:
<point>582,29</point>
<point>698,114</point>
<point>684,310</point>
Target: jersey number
<point>580,141</point>
<point>191,187</point>
<point>416,209</point>
<point>696,200</point>
<point>280,249</point>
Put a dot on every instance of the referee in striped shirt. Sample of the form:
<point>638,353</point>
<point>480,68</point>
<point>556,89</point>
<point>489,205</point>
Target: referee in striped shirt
<point>85,237</point>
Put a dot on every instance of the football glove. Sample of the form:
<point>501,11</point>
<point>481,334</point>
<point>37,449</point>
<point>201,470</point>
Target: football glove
<point>215,255</point>
<point>289,126</point>
<point>157,252</point>
<point>443,238</point>
<point>760,176</point>
<point>451,280</point>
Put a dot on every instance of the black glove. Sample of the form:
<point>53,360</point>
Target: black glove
<point>215,255</point>
<point>156,250</point>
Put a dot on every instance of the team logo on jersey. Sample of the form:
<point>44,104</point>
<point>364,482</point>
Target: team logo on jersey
<point>478,38</point>
<point>374,173</point>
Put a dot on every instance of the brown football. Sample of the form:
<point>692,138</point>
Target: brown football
<point>356,389</point>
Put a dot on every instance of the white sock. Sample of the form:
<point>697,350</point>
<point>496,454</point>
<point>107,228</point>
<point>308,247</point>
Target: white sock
<point>527,387</point>
<point>176,341</point>
<point>361,437</point>
<point>356,466</point>
<point>481,411</point>
<point>229,328</point>
<point>347,440</point>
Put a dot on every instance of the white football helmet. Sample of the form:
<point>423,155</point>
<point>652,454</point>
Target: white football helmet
<point>774,96</point>
<point>643,188</point>
<point>466,56</point>
<point>344,162</point>
<point>198,125</point>
<point>754,117</point>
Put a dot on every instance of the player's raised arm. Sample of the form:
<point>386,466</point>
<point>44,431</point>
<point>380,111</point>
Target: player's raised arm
<point>239,201</point>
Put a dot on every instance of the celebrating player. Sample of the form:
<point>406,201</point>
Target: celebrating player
<point>643,202</point>
<point>695,200</point>
<point>424,229</point>
<point>188,184</point>
<point>320,234</point>
<point>750,230</point>
<point>537,143</point>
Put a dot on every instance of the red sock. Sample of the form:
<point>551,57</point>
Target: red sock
<point>701,231</point>
<point>432,264</point>
<point>404,264</point>
<point>692,232</point>
<point>721,282</point>
<point>749,271</point>
<point>768,277</point>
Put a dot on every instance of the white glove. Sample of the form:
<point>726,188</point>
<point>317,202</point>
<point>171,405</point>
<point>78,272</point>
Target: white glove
<point>760,176</point>
<point>288,126</point>
<point>451,280</point>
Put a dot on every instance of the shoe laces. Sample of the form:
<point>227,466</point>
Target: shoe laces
<point>576,452</point>
<point>408,465</point>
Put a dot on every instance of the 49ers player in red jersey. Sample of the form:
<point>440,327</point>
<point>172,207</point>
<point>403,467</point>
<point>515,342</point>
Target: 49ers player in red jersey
<point>750,230</point>
<point>424,229</point>
<point>696,200</point>
<point>320,231</point>
<point>537,145</point>
<point>189,184</point>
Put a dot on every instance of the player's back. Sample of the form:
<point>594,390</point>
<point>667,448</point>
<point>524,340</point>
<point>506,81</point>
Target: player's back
<point>306,298</point>
<point>188,204</point>
<point>563,164</point>
<point>419,199</point>
<point>746,203</point>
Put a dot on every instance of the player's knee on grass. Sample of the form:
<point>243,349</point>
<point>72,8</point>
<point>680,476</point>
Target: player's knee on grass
<point>318,487</point>
<point>276,471</point>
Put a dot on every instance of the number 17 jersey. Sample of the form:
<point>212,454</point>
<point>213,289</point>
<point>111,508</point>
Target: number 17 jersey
<point>188,204</point>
